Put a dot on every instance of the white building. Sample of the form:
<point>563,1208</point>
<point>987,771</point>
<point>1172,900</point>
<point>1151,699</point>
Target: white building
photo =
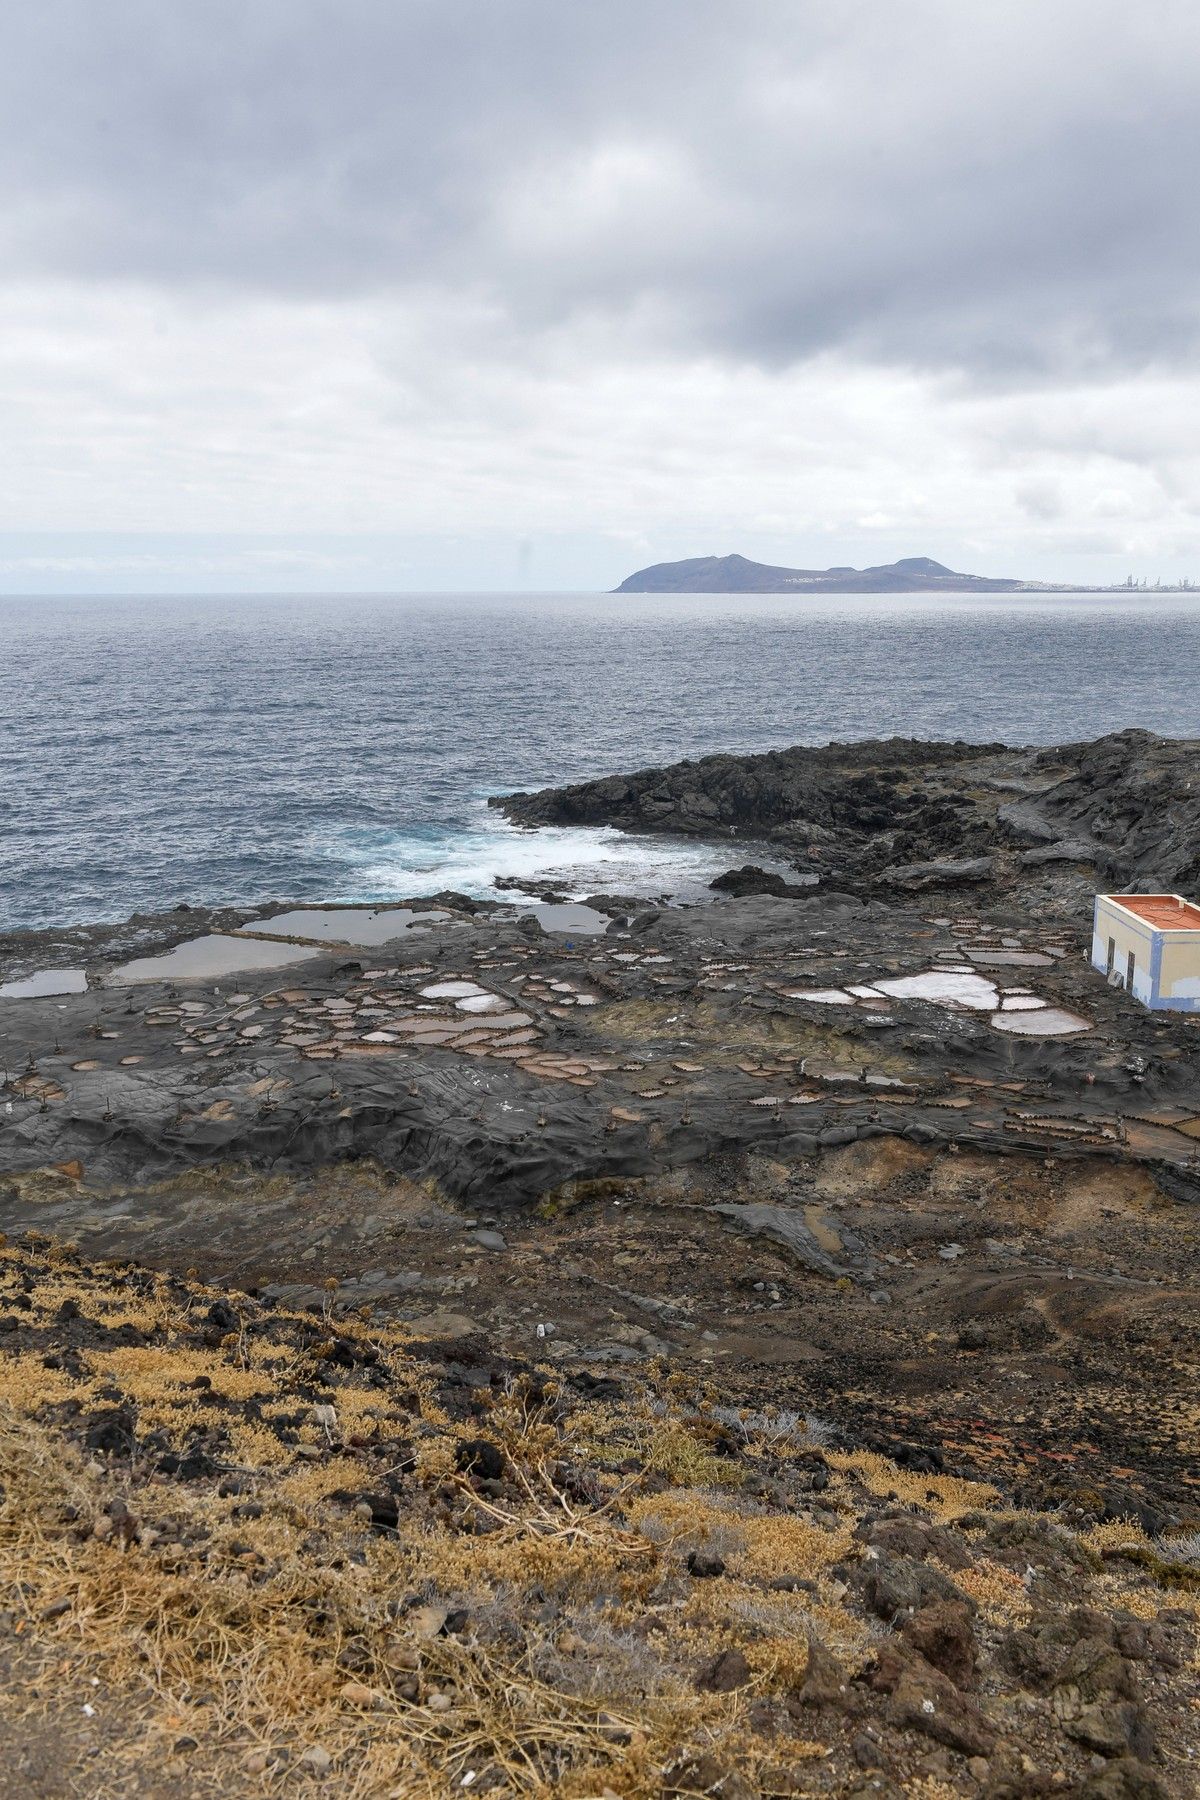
<point>1150,945</point>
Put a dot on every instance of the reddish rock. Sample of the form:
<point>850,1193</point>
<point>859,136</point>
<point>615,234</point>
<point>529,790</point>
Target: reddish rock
<point>941,1632</point>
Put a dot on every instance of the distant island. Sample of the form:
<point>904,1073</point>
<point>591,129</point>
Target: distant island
<point>911,575</point>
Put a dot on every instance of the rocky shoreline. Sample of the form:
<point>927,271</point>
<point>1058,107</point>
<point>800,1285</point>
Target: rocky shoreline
<point>897,815</point>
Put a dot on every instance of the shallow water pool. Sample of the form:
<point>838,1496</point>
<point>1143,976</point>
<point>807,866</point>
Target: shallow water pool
<point>571,916</point>
<point>204,957</point>
<point>345,925</point>
<point>44,983</point>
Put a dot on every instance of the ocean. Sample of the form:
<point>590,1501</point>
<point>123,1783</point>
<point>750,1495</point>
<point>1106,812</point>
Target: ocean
<point>342,747</point>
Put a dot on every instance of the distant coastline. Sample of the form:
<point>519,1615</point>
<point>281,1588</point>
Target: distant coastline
<point>911,575</point>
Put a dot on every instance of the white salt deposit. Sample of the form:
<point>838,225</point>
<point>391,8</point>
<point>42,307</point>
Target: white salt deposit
<point>826,996</point>
<point>1048,1021</point>
<point>482,1003</point>
<point>946,987</point>
<point>994,958</point>
<point>452,990</point>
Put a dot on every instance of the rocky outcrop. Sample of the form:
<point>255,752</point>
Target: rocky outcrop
<point>796,795</point>
<point>1123,810</point>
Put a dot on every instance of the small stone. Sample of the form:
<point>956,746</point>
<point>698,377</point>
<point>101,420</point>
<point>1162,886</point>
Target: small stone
<point>941,1631</point>
<point>703,1566</point>
<point>865,1752</point>
<point>439,1703</point>
<point>427,1621</point>
<point>825,1682</point>
<point>356,1693</point>
<point>726,1671</point>
<point>490,1240</point>
<point>479,1457</point>
<point>222,1316</point>
<point>316,1759</point>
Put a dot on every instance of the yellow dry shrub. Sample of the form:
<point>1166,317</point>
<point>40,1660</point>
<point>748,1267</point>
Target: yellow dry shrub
<point>771,1543</point>
<point>255,1446</point>
<point>311,1483</point>
<point>435,1457</point>
<point>1115,1534</point>
<point>1142,1602</point>
<point>999,1593</point>
<point>28,1387</point>
<point>946,1497</point>
<point>151,1374</point>
<point>679,1455</point>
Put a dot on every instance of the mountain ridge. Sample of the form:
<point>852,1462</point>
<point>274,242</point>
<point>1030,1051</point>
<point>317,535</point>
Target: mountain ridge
<point>739,575</point>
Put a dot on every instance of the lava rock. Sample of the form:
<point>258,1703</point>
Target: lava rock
<point>481,1457</point>
<point>726,1671</point>
<point>942,1633</point>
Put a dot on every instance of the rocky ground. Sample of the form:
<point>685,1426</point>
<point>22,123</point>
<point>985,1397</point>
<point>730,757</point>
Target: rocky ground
<point>247,1547</point>
<point>886,1153</point>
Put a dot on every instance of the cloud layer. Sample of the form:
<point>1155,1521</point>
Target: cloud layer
<point>896,275</point>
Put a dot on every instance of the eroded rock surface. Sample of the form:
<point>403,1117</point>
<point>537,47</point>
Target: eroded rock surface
<point>1123,811</point>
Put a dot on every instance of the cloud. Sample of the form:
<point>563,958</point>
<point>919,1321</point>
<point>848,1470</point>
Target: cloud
<point>1000,190</point>
<point>898,276</point>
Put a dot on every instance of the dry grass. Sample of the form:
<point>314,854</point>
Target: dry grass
<point>999,1593</point>
<point>537,1633</point>
<point>264,1652</point>
<point>946,1497</point>
<point>302,1630</point>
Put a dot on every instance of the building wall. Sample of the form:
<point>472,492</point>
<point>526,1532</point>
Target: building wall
<point>1166,963</point>
<point>1178,984</point>
<point>1130,935</point>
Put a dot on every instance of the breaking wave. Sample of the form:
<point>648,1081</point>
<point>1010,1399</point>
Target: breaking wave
<point>470,858</point>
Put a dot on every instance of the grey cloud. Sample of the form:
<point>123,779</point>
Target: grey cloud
<point>1002,191</point>
<point>1040,500</point>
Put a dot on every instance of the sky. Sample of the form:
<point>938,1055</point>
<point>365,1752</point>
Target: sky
<point>504,294</point>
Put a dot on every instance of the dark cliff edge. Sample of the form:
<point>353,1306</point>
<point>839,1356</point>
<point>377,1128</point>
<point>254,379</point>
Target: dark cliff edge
<point>738,575</point>
<point>1123,809</point>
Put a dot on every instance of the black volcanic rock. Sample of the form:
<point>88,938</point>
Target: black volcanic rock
<point>896,813</point>
<point>750,879</point>
<point>738,575</point>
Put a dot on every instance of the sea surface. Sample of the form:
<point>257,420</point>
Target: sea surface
<point>342,748</point>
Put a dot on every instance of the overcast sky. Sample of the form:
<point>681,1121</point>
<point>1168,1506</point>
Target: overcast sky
<point>503,293</point>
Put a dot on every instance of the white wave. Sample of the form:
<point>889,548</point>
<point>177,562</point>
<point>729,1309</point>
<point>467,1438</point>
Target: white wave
<point>577,860</point>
